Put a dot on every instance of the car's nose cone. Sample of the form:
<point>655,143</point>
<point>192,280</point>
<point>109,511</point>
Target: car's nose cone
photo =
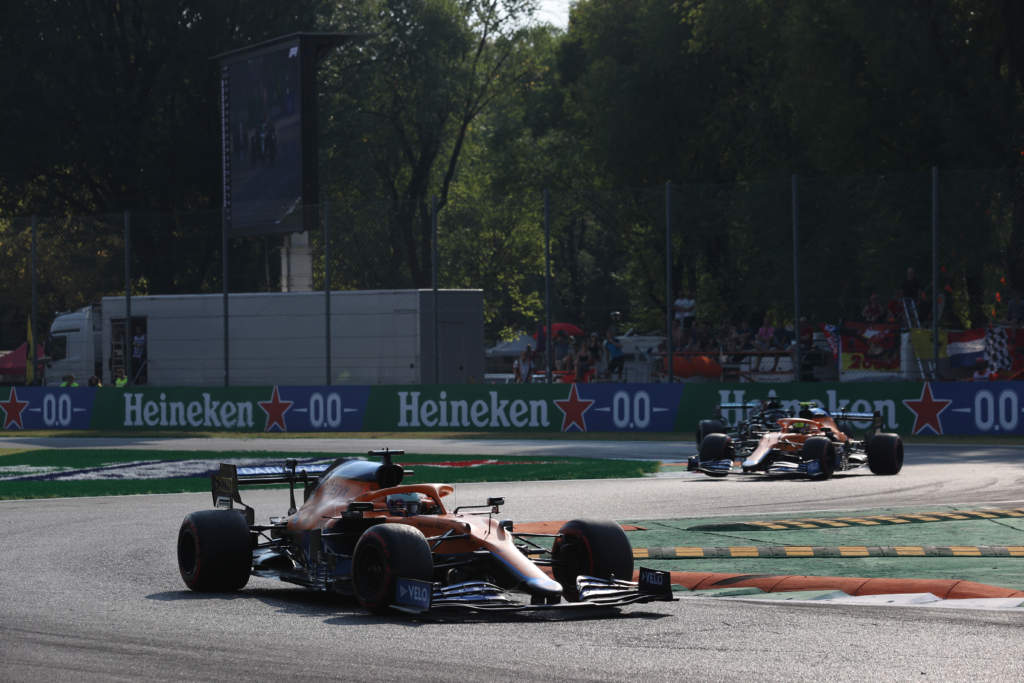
<point>542,587</point>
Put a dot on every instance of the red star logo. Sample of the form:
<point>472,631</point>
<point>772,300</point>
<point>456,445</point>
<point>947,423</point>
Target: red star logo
<point>927,410</point>
<point>573,409</point>
<point>12,409</point>
<point>275,409</point>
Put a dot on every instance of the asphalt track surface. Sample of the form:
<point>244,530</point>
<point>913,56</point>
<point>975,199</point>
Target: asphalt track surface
<point>91,591</point>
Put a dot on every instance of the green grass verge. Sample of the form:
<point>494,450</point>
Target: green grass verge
<point>513,468</point>
<point>682,437</point>
<point>519,436</point>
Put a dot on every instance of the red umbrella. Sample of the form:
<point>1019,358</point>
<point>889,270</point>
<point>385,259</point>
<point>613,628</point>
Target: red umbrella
<point>13,363</point>
<point>568,328</point>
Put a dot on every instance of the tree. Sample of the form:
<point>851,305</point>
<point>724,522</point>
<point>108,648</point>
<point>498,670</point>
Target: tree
<point>703,92</point>
<point>114,106</point>
<point>403,104</point>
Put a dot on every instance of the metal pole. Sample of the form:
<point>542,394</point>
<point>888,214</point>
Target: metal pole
<point>433,258</point>
<point>34,308</point>
<point>669,358</point>
<point>547,285</point>
<point>327,296</point>
<point>224,278</point>
<point>795,199</point>
<point>130,371</point>
<point>935,271</point>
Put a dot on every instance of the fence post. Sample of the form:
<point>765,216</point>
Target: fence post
<point>669,365</point>
<point>327,295</point>
<point>128,339</point>
<point>547,286</point>
<point>935,272</point>
<point>433,278</point>
<point>795,199</point>
<point>33,310</point>
<point>224,276</point>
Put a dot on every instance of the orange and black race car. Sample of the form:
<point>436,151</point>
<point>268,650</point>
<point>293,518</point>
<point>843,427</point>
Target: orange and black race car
<point>814,443</point>
<point>361,532</point>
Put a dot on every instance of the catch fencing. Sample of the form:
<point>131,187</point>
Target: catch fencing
<point>801,257</point>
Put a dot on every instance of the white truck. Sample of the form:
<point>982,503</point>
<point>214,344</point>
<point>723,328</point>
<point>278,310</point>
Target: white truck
<point>376,337</point>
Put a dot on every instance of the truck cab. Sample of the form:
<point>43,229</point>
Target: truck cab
<point>73,346</point>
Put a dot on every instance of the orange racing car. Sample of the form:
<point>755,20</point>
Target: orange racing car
<point>813,443</point>
<point>361,532</point>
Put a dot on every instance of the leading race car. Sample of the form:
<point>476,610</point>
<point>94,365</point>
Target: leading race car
<point>360,532</point>
<point>812,443</point>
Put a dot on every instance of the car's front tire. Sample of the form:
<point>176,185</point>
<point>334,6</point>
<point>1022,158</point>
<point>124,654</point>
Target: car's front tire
<point>383,554</point>
<point>715,447</point>
<point>885,454</point>
<point>590,547</point>
<point>215,550</point>
<point>822,450</point>
<point>705,427</point>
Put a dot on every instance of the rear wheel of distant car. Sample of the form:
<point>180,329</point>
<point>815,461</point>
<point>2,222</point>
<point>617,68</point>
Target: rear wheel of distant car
<point>705,427</point>
<point>590,547</point>
<point>715,447</point>
<point>215,550</point>
<point>383,554</point>
<point>885,454</point>
<point>821,450</point>
<point>845,427</point>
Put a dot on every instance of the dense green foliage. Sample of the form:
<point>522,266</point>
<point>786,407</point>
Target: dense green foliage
<point>447,468</point>
<point>471,106</point>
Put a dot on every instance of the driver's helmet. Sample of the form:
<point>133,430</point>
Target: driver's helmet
<point>403,504</point>
<point>810,411</point>
<point>800,427</point>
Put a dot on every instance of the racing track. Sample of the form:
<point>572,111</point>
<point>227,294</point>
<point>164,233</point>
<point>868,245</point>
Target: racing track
<point>91,592</point>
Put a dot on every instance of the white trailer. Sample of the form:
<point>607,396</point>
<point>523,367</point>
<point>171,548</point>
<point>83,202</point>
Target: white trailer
<point>376,337</point>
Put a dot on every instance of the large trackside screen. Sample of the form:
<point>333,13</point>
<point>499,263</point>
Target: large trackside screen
<point>262,138</point>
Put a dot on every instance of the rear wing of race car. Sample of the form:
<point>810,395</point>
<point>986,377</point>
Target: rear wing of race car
<point>874,418</point>
<point>745,407</point>
<point>224,484</point>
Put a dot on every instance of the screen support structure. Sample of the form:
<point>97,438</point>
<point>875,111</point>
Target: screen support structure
<point>311,49</point>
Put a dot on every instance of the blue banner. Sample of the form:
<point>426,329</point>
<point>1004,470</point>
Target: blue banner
<point>46,407</point>
<point>620,407</point>
<point>911,408</point>
<point>317,409</point>
<point>961,408</point>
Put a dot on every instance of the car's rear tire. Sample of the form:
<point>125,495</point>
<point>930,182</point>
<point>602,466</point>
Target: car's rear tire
<point>383,554</point>
<point>846,427</point>
<point>885,454</point>
<point>215,551</point>
<point>715,447</point>
<point>705,427</point>
<point>590,548</point>
<point>823,451</point>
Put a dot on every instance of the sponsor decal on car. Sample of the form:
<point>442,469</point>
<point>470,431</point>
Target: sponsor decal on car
<point>413,593</point>
<point>655,581</point>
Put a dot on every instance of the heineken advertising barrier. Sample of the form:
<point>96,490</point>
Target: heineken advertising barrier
<point>930,408</point>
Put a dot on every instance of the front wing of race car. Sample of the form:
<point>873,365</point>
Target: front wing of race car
<point>715,468</point>
<point>419,597</point>
<point>720,468</point>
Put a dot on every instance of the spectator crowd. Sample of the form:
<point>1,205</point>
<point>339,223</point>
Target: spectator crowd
<point>588,356</point>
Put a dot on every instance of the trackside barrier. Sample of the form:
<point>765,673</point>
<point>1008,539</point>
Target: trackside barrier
<point>929,408</point>
<point>946,589</point>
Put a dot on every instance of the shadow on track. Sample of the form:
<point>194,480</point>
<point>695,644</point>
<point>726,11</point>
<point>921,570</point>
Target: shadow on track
<point>339,610</point>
